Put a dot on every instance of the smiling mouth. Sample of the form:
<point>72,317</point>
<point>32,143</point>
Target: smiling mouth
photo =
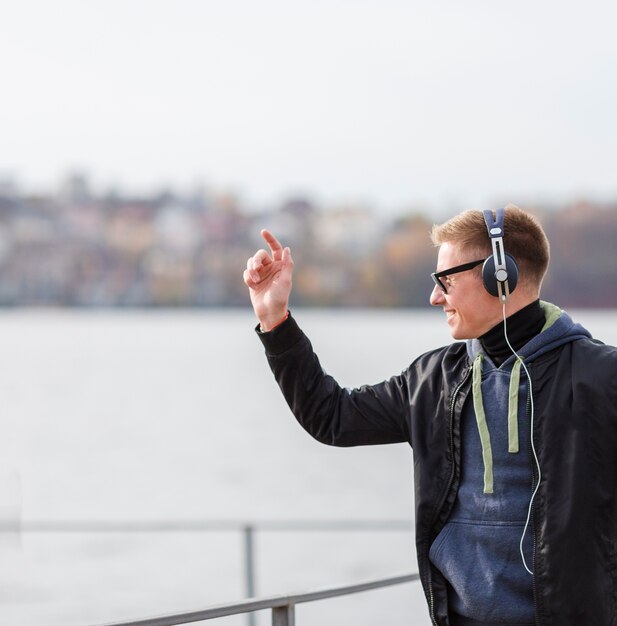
<point>449,314</point>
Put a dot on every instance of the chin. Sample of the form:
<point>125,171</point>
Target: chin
<point>456,332</point>
<point>460,334</point>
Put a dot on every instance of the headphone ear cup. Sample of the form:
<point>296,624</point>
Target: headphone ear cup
<point>488,274</point>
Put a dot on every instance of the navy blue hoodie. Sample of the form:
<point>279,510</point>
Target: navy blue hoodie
<point>479,549</point>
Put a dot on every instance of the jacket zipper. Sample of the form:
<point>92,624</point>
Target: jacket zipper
<point>451,445</point>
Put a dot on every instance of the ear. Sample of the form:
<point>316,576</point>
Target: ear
<point>488,275</point>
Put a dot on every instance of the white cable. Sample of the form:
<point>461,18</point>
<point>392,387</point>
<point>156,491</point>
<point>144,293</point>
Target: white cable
<point>533,447</point>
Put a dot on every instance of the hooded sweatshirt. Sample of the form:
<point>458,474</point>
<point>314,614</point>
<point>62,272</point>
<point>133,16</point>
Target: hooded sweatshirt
<point>479,550</point>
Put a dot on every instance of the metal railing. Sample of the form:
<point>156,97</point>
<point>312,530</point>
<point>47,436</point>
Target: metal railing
<point>279,605</point>
<point>283,607</point>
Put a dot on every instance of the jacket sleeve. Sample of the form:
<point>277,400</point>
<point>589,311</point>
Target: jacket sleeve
<point>333,415</point>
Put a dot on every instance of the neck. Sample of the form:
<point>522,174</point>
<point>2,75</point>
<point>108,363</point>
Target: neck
<point>523,325</point>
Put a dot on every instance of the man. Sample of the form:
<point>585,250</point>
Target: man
<point>511,529</point>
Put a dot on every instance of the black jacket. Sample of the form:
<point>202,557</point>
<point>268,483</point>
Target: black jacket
<point>575,434</point>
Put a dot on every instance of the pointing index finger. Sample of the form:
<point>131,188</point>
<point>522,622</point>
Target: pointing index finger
<point>274,243</point>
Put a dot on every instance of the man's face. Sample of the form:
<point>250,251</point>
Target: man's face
<point>470,310</point>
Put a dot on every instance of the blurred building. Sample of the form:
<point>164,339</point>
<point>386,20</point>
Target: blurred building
<point>76,247</point>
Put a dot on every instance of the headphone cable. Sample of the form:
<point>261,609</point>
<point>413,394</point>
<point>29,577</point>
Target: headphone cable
<point>533,447</point>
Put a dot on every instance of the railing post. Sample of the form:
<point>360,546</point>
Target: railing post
<point>284,615</point>
<point>249,569</point>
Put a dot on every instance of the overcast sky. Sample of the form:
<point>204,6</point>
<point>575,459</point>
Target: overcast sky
<point>391,103</point>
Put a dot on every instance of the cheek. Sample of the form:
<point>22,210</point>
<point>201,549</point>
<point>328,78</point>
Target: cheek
<point>473,310</point>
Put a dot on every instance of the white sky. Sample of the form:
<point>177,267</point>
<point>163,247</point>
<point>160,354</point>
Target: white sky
<point>392,103</point>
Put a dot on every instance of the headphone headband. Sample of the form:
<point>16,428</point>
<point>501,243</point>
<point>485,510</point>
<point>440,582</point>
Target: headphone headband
<point>495,225</point>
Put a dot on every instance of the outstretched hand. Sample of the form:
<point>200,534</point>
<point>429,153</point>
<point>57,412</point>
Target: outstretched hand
<point>268,277</point>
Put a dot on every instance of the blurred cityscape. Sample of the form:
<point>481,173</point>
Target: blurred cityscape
<point>76,248</point>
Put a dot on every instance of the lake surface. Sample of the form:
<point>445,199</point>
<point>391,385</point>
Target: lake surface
<point>175,416</point>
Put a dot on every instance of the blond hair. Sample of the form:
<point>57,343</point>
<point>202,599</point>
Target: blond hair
<point>524,239</point>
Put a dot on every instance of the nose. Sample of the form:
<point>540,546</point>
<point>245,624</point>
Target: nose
<point>437,296</point>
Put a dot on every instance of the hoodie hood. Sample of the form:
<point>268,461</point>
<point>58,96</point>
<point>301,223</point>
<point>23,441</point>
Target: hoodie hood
<point>558,330</point>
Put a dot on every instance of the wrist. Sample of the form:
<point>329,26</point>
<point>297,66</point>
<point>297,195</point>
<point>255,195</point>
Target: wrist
<point>271,322</point>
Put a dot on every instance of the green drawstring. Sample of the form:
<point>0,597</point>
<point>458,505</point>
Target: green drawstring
<point>552,314</point>
<point>515,379</point>
<point>485,438</point>
<point>478,405</point>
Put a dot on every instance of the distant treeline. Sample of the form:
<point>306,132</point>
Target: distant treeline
<point>583,267</point>
<point>75,248</point>
<point>582,272</point>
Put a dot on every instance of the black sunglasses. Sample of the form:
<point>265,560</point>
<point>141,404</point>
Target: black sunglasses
<point>436,276</point>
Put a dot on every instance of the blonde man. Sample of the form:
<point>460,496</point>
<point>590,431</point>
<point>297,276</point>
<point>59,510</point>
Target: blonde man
<point>513,430</point>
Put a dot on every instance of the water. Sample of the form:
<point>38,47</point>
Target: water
<point>175,416</point>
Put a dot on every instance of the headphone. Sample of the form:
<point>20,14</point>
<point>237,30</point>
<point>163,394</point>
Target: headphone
<point>500,271</point>
<point>500,277</point>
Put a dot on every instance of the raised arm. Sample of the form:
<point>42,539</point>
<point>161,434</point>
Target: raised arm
<point>333,415</point>
<point>268,277</point>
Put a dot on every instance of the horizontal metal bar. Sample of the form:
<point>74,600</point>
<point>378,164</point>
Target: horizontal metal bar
<point>246,606</point>
<point>131,526</point>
